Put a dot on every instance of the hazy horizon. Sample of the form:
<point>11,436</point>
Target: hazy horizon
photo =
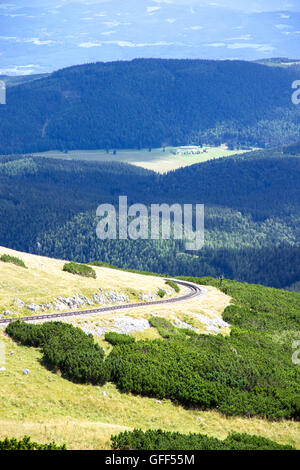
<point>39,38</point>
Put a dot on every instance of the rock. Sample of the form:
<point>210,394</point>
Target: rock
<point>33,307</point>
<point>19,303</point>
<point>26,371</point>
<point>47,306</point>
<point>212,324</point>
<point>128,325</point>
<point>181,324</point>
<point>158,401</point>
<point>75,302</point>
<point>93,330</point>
<point>8,312</point>
<point>148,297</point>
<point>59,306</point>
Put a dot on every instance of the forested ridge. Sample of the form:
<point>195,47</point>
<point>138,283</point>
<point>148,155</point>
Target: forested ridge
<point>151,103</point>
<point>251,214</point>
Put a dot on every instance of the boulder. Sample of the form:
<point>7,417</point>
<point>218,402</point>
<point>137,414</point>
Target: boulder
<point>33,307</point>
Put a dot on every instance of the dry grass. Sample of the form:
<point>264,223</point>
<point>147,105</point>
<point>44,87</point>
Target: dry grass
<point>44,280</point>
<point>47,407</point>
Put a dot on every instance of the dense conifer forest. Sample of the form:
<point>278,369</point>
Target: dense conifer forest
<point>151,103</point>
<point>49,207</point>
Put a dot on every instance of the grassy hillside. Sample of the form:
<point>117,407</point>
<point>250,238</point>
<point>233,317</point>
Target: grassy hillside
<point>44,280</point>
<point>47,407</point>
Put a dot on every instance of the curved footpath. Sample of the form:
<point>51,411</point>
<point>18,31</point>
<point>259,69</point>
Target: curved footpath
<point>194,291</point>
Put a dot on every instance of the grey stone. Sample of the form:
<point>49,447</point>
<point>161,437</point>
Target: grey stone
<point>19,303</point>
<point>33,307</point>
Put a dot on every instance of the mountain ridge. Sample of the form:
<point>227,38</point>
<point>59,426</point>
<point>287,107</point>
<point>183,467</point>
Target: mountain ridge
<point>151,103</point>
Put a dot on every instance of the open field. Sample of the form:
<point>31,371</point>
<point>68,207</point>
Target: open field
<point>159,160</point>
<point>47,407</point>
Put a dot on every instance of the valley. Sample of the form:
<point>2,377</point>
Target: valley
<point>160,160</point>
<point>150,230</point>
<point>111,341</point>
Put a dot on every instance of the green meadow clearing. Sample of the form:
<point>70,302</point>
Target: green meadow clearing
<point>160,160</point>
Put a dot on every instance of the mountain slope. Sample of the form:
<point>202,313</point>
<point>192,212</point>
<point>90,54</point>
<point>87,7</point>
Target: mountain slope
<point>84,416</point>
<point>251,214</point>
<point>43,281</point>
<point>150,103</point>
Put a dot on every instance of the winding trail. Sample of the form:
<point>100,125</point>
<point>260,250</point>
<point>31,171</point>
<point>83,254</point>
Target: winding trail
<point>194,291</point>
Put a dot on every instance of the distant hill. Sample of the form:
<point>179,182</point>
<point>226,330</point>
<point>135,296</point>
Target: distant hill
<point>293,149</point>
<point>12,80</point>
<point>252,214</point>
<point>277,61</point>
<point>151,103</point>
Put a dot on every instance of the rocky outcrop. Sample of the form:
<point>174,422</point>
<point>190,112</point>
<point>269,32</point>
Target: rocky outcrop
<point>212,324</point>
<point>8,313</point>
<point>19,303</point>
<point>150,297</point>
<point>123,325</point>
<point>181,324</point>
<point>33,307</point>
<point>77,301</point>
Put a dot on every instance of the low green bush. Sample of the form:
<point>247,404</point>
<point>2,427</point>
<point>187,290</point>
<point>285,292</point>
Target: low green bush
<point>27,444</point>
<point>161,293</point>
<point>80,269</point>
<point>118,338</point>
<point>162,440</point>
<point>173,285</point>
<point>13,260</point>
<point>249,373</point>
<point>163,326</point>
<point>65,348</point>
<point>103,264</point>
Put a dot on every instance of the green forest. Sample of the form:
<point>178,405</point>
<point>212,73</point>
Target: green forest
<point>151,103</point>
<point>252,232</point>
